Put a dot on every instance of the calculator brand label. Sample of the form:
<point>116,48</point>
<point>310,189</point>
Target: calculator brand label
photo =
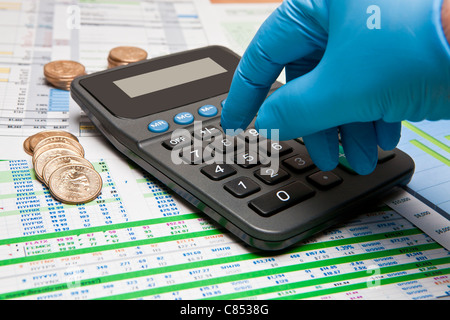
<point>208,144</point>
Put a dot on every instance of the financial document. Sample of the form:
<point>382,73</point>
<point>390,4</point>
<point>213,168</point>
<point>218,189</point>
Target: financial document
<point>428,143</point>
<point>138,240</point>
<point>37,32</point>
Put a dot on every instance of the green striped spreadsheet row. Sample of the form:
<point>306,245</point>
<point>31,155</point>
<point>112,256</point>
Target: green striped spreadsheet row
<point>139,241</point>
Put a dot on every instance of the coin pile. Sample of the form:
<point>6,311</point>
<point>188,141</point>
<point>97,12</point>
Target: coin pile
<point>60,73</point>
<point>124,55</point>
<point>58,161</point>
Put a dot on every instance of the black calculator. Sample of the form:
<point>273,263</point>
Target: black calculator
<point>164,114</point>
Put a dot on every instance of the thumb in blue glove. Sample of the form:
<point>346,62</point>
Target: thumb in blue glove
<point>355,68</point>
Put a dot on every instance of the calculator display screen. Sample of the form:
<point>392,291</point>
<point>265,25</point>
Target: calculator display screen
<point>169,77</point>
<point>165,83</point>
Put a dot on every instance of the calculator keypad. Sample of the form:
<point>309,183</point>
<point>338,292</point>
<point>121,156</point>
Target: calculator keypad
<point>247,152</point>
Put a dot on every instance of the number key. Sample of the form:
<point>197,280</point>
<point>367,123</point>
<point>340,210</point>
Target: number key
<point>277,148</point>
<point>218,171</point>
<point>299,163</point>
<point>196,154</point>
<point>280,199</point>
<point>270,176</point>
<point>241,187</point>
<point>227,145</point>
<point>248,159</point>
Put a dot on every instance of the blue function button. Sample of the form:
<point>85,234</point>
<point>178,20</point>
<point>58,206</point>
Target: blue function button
<point>183,118</point>
<point>158,126</point>
<point>207,110</point>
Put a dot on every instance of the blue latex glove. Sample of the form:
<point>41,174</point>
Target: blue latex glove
<point>352,66</point>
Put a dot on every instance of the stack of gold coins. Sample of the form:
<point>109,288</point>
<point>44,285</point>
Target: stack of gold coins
<point>124,55</point>
<point>58,161</point>
<point>61,73</point>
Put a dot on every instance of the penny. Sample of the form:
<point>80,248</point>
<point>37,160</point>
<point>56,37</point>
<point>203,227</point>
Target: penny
<point>63,69</point>
<point>61,73</point>
<point>35,139</point>
<point>48,155</point>
<point>74,184</point>
<point>60,161</point>
<point>59,139</point>
<point>127,54</point>
<point>124,55</point>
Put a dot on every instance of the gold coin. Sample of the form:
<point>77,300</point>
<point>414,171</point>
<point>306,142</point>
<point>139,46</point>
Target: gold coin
<point>63,69</point>
<point>35,139</point>
<point>59,139</point>
<point>40,161</point>
<point>26,146</point>
<point>60,161</point>
<point>56,145</point>
<point>126,54</point>
<point>74,184</point>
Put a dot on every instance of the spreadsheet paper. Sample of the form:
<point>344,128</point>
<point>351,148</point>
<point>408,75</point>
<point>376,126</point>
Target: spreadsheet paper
<point>138,240</point>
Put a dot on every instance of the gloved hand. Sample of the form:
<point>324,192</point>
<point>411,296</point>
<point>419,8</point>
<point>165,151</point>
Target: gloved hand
<point>356,67</point>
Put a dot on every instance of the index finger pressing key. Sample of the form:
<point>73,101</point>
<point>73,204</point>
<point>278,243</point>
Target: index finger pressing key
<point>286,36</point>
